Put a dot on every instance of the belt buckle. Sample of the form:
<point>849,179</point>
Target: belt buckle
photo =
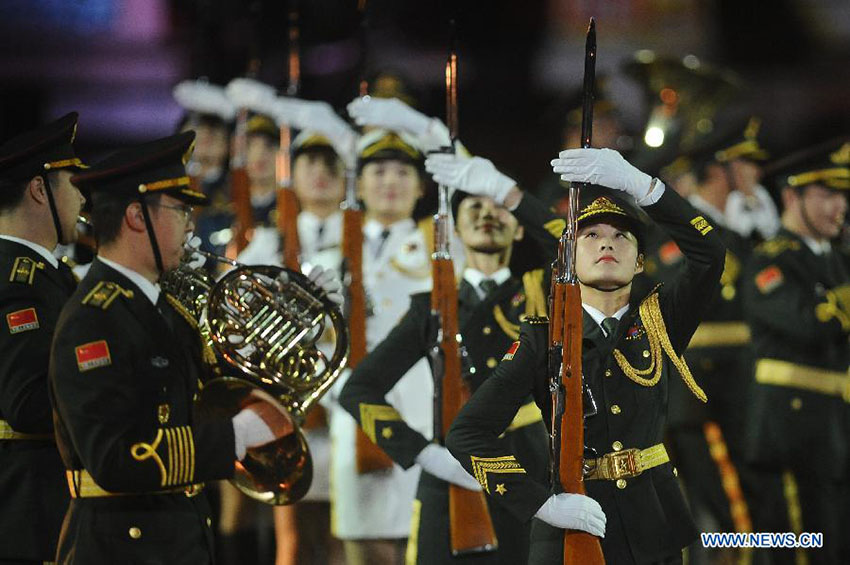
<point>625,464</point>
<point>193,490</point>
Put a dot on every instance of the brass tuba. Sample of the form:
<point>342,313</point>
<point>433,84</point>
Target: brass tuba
<point>267,322</point>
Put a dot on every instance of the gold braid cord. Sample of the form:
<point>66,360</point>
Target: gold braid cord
<point>207,351</point>
<point>656,332</point>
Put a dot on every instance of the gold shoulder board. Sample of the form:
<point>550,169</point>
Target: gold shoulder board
<point>104,293</point>
<point>23,271</point>
<point>777,246</point>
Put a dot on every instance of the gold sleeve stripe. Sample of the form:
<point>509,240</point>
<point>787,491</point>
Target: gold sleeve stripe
<point>181,455</point>
<point>483,465</point>
<point>143,451</point>
<point>526,415</point>
<point>370,413</point>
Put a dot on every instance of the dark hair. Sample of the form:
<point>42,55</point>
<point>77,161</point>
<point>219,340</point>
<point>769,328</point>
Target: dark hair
<point>324,154</point>
<point>107,214</point>
<point>12,193</point>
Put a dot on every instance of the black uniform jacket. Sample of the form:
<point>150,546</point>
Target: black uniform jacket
<point>647,519</point>
<point>123,376</point>
<point>32,477</point>
<point>797,305</point>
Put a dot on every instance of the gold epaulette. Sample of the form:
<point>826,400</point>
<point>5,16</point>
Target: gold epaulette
<point>104,294</point>
<point>536,320</point>
<point>777,246</point>
<point>23,271</point>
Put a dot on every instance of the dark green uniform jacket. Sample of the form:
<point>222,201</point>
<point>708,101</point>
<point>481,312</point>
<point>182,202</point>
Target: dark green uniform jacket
<point>647,519</point>
<point>32,477</point>
<point>123,376</point>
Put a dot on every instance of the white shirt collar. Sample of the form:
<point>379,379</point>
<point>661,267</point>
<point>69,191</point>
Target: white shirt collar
<point>40,249</point>
<point>818,246</point>
<point>373,229</point>
<point>148,288</point>
<point>474,277</point>
<point>705,206</point>
<point>598,316</point>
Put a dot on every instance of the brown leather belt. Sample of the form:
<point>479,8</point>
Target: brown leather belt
<point>804,377</point>
<point>6,432</point>
<point>625,464</point>
<point>82,485</point>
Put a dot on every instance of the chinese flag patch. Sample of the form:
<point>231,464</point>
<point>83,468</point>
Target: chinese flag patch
<point>22,321</point>
<point>769,278</point>
<point>509,355</point>
<point>93,355</point>
<point>669,253</point>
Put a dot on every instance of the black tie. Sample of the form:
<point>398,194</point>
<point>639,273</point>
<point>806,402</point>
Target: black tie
<point>488,286</point>
<point>610,327</point>
<point>384,235</point>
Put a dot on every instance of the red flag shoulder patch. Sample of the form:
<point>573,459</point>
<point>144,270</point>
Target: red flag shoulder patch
<point>22,321</point>
<point>769,278</point>
<point>93,355</point>
<point>509,355</point>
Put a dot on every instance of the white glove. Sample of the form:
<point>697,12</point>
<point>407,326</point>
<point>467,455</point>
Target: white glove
<point>250,430</point>
<point>473,175</point>
<point>437,460</point>
<point>393,114</point>
<point>318,116</point>
<point>607,168</point>
<point>196,260</point>
<point>573,512</point>
<point>251,94</point>
<point>327,280</point>
<point>201,96</point>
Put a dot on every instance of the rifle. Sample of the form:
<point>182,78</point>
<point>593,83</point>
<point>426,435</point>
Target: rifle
<point>566,382</point>
<point>368,456</point>
<point>240,184</point>
<point>287,204</point>
<point>470,527</point>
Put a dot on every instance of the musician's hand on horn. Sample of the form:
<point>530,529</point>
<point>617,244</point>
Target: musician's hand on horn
<point>573,512</point>
<point>474,175</point>
<point>327,280</point>
<point>607,167</point>
<point>437,460</point>
<point>196,260</point>
<point>259,423</point>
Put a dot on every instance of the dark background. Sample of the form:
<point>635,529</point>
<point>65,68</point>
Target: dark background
<point>116,61</point>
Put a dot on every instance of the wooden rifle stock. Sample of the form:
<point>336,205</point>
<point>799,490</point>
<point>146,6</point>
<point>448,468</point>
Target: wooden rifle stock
<point>240,187</point>
<point>368,456</point>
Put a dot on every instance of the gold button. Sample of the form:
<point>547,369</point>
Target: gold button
<point>209,521</point>
<point>646,353</point>
<point>608,372</point>
<point>621,483</point>
<point>796,403</point>
<point>135,532</point>
<point>617,446</point>
<point>615,409</point>
<point>491,362</point>
<point>486,330</point>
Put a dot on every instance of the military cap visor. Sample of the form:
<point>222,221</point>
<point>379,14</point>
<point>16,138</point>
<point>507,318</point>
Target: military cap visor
<point>310,141</point>
<point>384,145</point>
<point>600,206</point>
<point>827,165</point>
<point>150,168</point>
<point>740,141</point>
<point>45,149</point>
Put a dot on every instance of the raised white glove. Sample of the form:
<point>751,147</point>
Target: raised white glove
<point>196,260</point>
<point>393,114</point>
<point>607,167</point>
<point>573,512</point>
<point>201,96</point>
<point>473,175</point>
<point>327,280</point>
<point>251,94</point>
<point>437,460</point>
<point>320,117</point>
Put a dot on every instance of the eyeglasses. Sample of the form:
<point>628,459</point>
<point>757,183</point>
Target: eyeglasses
<point>185,209</point>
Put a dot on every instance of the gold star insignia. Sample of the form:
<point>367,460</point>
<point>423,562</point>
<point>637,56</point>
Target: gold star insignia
<point>387,432</point>
<point>501,489</point>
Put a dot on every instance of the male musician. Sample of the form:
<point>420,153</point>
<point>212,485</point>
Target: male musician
<point>490,304</point>
<point>631,349</point>
<point>318,179</point>
<point>372,510</point>
<point>209,113</point>
<point>38,210</point>
<point>796,291</point>
<point>124,369</point>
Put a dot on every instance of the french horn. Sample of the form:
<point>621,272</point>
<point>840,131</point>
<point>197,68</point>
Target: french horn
<point>288,342</point>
